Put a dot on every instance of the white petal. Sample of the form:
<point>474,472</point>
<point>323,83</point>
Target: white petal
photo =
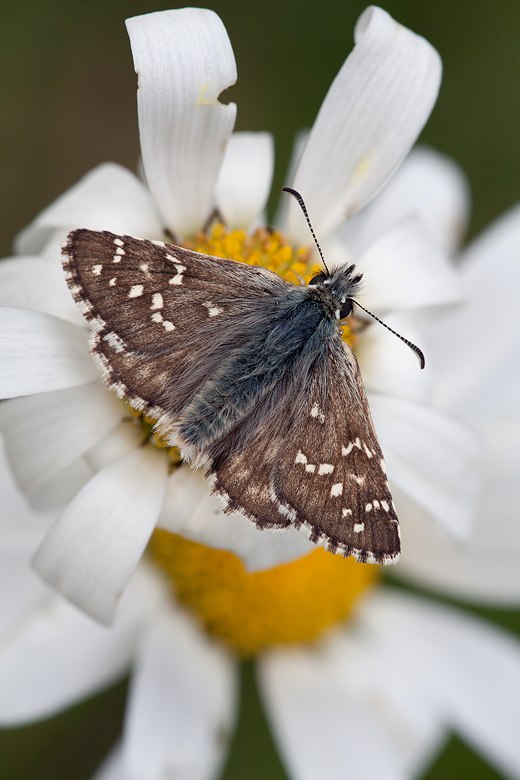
<point>388,366</point>
<point>472,670</point>
<point>403,269</point>
<point>61,488</point>
<point>324,729</point>
<point>432,558</point>
<point>477,358</point>
<point>245,177</point>
<point>92,550</point>
<point>121,440</point>
<point>32,283</point>
<point>190,510</point>
<point>57,656</point>
<point>39,353</point>
<point>47,431</point>
<point>21,530</point>
<point>368,122</point>
<point>108,198</point>
<point>428,186</point>
<point>299,144</point>
<point>184,60</point>
<point>181,705</point>
<point>431,458</point>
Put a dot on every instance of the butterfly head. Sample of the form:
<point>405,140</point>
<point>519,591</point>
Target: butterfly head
<point>340,287</point>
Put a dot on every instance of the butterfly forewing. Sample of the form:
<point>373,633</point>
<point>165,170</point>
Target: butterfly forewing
<point>160,315</point>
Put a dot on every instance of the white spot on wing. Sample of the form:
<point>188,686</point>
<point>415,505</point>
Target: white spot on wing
<point>346,512</point>
<point>157,301</point>
<point>96,269</point>
<point>368,508</point>
<point>112,282</point>
<point>167,325</point>
<point>136,291</point>
<point>157,317</point>
<point>383,466</point>
<point>300,458</point>
<point>316,412</point>
<point>118,242</point>
<point>336,490</point>
<point>347,450</point>
<point>213,310</point>
<point>359,527</point>
<point>385,505</point>
<point>368,452</point>
<point>325,468</point>
<point>310,467</point>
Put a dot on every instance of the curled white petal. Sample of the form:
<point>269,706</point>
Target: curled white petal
<point>184,60</point>
<point>190,510</point>
<point>47,431</point>
<point>368,122</point>
<point>40,353</point>
<point>403,269</point>
<point>94,547</point>
<point>182,703</point>
<point>433,459</point>
<point>245,177</point>
<point>428,186</point>
<point>107,198</point>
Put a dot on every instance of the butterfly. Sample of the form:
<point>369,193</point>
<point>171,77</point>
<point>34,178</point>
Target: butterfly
<point>249,376</point>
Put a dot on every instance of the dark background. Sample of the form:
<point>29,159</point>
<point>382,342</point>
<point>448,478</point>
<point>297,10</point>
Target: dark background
<point>67,97</point>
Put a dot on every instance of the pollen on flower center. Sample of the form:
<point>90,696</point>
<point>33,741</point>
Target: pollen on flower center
<point>292,603</point>
<point>265,247</point>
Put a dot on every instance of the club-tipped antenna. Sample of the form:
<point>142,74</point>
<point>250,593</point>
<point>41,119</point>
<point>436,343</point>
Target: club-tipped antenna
<point>303,207</point>
<point>418,352</point>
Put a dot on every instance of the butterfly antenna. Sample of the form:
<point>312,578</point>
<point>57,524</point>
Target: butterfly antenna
<point>413,347</point>
<point>303,207</point>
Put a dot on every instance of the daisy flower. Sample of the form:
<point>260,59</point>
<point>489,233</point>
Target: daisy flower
<point>375,696</point>
<point>72,444</point>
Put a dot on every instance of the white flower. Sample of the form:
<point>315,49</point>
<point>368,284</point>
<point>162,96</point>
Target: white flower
<point>376,697</point>
<point>475,349</point>
<point>66,436</point>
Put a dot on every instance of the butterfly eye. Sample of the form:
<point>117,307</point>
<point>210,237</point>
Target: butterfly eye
<point>318,278</point>
<point>346,309</point>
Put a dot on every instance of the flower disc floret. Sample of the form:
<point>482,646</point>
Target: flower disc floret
<point>249,612</point>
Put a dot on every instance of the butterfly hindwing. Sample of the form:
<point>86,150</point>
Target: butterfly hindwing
<point>330,476</point>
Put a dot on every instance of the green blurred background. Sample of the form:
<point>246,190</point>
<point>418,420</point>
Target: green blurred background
<point>67,94</point>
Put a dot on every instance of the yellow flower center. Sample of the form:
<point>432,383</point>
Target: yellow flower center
<point>291,603</point>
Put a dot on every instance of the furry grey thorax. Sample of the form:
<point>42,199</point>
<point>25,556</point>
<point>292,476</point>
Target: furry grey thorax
<point>300,324</point>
